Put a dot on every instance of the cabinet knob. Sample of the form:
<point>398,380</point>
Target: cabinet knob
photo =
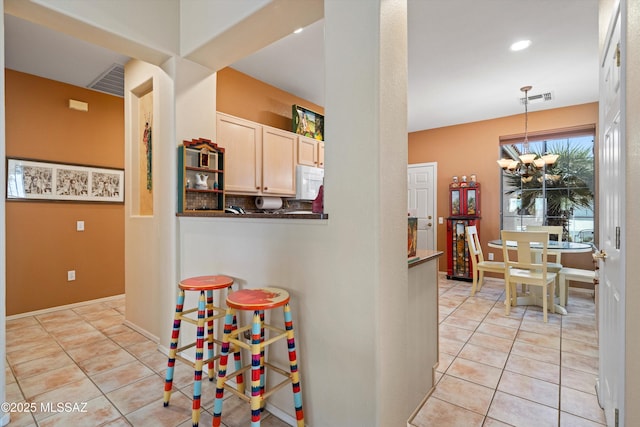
<point>257,188</point>
<point>266,188</point>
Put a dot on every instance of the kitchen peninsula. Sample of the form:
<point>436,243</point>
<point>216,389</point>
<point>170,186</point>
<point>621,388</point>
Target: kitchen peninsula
<point>423,316</point>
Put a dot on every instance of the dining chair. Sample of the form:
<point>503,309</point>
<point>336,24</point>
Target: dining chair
<point>553,230</point>
<point>520,266</point>
<point>478,264</point>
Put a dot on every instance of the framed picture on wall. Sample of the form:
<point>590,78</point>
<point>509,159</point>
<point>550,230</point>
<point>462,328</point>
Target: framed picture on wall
<point>39,180</point>
<point>308,123</point>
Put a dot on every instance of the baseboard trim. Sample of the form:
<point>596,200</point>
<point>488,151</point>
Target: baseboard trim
<point>63,307</point>
<point>142,331</point>
<point>422,403</point>
<point>281,415</point>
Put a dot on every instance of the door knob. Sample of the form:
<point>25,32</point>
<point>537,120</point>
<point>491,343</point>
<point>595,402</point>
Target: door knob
<point>429,217</point>
<point>429,224</point>
<point>600,255</point>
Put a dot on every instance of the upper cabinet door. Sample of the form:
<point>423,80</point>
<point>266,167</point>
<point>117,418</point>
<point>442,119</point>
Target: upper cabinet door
<point>242,141</point>
<point>307,151</point>
<point>320,154</point>
<point>279,152</point>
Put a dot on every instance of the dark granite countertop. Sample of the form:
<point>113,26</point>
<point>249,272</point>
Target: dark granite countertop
<point>279,215</point>
<point>423,256</point>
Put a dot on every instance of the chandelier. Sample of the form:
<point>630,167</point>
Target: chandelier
<point>527,165</point>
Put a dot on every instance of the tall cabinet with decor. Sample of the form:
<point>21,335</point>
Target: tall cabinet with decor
<point>464,211</point>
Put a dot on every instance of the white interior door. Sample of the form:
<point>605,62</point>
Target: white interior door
<point>611,207</point>
<point>421,199</point>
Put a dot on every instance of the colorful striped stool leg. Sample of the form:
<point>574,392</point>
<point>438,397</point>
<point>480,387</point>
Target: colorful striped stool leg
<point>168,383</point>
<point>210,353</point>
<point>229,322</point>
<point>238,361</point>
<point>256,383</point>
<point>262,353</point>
<point>197,375</point>
<point>293,364</point>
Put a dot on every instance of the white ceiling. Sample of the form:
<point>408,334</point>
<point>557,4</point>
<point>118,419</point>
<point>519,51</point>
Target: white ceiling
<point>460,66</point>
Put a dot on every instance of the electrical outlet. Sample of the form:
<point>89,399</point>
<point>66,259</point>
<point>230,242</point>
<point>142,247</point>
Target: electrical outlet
<point>490,256</point>
<point>71,275</point>
<point>80,225</point>
<point>440,220</point>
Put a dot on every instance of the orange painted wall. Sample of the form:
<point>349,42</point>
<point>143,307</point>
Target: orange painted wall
<point>41,237</point>
<point>474,148</point>
<point>243,96</point>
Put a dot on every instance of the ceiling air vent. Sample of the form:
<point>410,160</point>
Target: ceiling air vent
<point>540,97</point>
<point>111,81</point>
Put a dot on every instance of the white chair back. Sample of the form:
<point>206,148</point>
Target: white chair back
<point>526,264</point>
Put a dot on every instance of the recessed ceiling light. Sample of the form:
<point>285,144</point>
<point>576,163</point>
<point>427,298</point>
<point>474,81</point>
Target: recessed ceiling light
<point>298,31</point>
<point>522,44</point>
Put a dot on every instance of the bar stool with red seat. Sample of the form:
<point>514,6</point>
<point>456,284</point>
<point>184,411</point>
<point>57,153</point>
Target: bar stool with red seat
<point>257,300</point>
<point>205,285</point>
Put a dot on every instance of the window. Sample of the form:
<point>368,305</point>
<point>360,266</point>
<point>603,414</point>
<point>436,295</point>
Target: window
<point>565,196</point>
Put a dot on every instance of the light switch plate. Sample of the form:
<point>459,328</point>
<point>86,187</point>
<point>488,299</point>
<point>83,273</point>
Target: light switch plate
<point>80,226</point>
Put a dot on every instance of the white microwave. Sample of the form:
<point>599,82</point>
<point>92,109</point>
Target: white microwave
<point>308,181</point>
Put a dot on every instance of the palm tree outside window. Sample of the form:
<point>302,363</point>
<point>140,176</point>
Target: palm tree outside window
<point>561,194</point>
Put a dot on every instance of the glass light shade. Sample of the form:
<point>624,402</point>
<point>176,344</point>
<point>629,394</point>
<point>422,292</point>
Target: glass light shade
<point>504,163</point>
<point>512,165</point>
<point>539,162</point>
<point>527,158</point>
<point>550,158</point>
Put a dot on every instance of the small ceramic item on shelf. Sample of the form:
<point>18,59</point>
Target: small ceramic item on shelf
<point>201,181</point>
<point>464,181</point>
<point>454,183</point>
<point>473,180</point>
<point>188,183</point>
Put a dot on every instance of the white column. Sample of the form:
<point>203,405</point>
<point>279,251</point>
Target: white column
<point>366,197</point>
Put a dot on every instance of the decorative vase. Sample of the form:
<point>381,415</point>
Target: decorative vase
<point>201,181</point>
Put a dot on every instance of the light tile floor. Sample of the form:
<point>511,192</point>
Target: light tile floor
<point>494,370</point>
<point>513,371</point>
<point>86,354</point>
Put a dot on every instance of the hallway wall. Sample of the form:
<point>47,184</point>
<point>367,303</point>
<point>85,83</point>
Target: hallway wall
<point>41,237</point>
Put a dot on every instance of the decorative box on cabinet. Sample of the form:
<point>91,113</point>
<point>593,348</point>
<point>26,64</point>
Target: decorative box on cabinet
<point>201,176</point>
<point>458,261</point>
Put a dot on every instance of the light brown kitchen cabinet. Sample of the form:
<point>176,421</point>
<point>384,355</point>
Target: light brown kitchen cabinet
<point>310,152</point>
<point>279,149</point>
<point>320,154</point>
<point>258,159</point>
<point>242,141</point>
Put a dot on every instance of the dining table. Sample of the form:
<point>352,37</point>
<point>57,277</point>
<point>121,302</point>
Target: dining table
<point>534,297</point>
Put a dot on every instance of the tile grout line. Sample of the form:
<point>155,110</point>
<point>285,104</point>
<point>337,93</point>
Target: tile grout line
<point>559,409</point>
<point>495,390</point>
